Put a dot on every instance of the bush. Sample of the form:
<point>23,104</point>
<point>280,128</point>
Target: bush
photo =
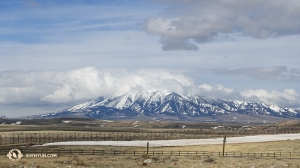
<point>209,160</point>
<point>145,156</point>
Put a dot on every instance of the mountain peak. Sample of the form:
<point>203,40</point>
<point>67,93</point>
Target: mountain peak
<point>164,105</point>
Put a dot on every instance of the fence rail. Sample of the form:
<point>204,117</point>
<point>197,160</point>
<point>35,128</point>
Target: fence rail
<point>38,138</point>
<point>61,152</point>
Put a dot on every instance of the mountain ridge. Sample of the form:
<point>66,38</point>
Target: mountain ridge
<point>163,105</point>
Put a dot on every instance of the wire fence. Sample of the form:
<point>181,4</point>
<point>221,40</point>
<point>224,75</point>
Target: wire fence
<point>62,152</point>
<point>44,137</point>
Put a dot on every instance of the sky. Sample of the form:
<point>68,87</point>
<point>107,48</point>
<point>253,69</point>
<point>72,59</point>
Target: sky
<point>57,53</point>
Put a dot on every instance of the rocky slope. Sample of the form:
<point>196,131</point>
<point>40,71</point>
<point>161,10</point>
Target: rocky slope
<point>162,105</point>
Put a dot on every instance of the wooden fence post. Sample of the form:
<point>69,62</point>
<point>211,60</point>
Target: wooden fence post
<point>224,141</point>
<point>147,147</point>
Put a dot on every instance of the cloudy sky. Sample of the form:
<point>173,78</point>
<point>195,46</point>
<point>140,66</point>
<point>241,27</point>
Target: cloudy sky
<point>57,53</point>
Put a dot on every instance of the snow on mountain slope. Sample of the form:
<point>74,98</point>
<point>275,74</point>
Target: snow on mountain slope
<point>156,103</point>
<point>85,105</point>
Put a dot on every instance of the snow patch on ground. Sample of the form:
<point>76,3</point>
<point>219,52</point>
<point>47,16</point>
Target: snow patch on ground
<point>182,142</point>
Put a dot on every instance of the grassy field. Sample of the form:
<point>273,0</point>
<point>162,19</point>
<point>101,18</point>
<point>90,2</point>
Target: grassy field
<point>157,162</point>
<point>104,125</point>
<point>87,125</point>
<point>168,161</point>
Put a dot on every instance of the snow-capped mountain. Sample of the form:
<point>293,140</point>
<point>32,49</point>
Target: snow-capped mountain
<point>169,105</point>
<point>2,117</point>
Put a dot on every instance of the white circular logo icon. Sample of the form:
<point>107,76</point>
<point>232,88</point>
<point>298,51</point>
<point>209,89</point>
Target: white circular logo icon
<point>14,155</point>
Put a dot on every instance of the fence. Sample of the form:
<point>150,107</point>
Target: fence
<point>61,152</point>
<point>38,138</point>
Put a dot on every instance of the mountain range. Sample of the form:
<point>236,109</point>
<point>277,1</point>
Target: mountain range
<point>163,105</point>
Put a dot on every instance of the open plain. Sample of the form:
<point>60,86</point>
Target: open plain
<point>251,154</point>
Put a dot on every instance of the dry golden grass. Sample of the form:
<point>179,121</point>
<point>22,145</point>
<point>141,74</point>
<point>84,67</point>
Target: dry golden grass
<point>168,161</point>
<point>276,146</point>
<point>105,125</point>
<point>157,162</point>
<point>288,123</point>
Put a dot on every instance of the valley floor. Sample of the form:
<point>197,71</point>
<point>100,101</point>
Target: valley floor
<point>156,162</point>
<point>159,161</point>
<point>183,142</point>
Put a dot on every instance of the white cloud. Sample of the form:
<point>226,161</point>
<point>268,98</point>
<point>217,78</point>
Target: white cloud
<point>206,87</point>
<point>203,21</point>
<point>48,88</point>
<point>287,97</point>
<point>217,91</point>
<point>85,83</point>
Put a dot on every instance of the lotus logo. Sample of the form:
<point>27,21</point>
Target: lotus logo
<point>14,155</point>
